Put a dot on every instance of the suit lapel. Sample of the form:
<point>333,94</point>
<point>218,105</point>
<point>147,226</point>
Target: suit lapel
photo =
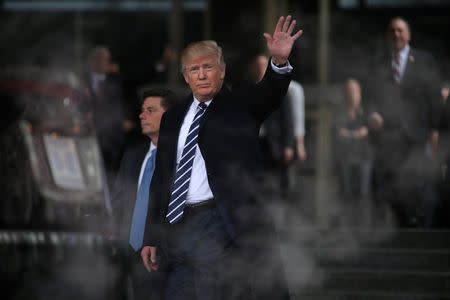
<point>176,120</point>
<point>137,165</point>
<point>133,172</point>
<point>213,106</point>
<point>181,111</point>
<point>409,68</point>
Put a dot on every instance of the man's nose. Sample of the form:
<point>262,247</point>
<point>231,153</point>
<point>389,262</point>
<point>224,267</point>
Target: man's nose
<point>141,115</point>
<point>201,73</point>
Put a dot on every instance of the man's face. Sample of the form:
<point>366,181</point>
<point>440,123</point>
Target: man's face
<point>205,77</point>
<point>352,94</point>
<point>398,34</point>
<point>445,92</point>
<point>150,116</point>
<point>102,62</point>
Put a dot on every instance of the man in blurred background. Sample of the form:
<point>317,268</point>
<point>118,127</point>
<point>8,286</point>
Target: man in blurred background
<point>108,114</point>
<point>276,135</point>
<point>404,93</point>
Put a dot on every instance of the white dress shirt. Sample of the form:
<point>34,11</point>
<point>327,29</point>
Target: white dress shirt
<point>403,60</point>
<point>297,102</point>
<point>199,189</point>
<point>95,79</point>
<point>147,157</point>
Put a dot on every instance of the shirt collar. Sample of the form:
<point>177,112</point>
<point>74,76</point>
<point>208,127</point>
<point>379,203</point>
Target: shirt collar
<point>97,76</point>
<point>196,102</point>
<point>404,53</point>
<point>152,147</point>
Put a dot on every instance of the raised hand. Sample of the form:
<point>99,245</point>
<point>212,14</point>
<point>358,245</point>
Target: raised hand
<point>281,42</point>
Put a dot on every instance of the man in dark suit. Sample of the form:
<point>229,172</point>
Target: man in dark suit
<point>129,182</point>
<point>207,217</point>
<point>108,114</point>
<point>404,93</point>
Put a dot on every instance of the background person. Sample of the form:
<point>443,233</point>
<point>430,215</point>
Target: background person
<point>131,182</point>
<point>403,93</point>
<point>353,150</point>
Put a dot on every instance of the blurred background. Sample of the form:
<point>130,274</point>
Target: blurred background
<point>57,234</point>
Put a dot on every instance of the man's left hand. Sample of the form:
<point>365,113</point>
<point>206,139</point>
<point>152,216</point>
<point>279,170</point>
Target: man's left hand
<point>288,155</point>
<point>281,42</point>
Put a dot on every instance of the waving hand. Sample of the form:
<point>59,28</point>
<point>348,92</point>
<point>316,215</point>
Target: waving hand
<point>281,42</point>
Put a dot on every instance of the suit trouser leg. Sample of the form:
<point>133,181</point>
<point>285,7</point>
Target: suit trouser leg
<point>195,249</point>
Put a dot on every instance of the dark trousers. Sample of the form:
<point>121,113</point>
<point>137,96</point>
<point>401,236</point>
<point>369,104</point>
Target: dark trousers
<point>195,250</point>
<point>409,188</point>
<point>348,172</point>
<point>205,264</point>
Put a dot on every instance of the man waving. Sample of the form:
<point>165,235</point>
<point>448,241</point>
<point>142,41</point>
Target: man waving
<point>207,216</point>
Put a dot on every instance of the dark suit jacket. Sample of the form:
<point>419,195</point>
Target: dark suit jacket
<point>229,143</point>
<point>409,109</point>
<point>279,129</point>
<point>125,188</point>
<point>108,116</point>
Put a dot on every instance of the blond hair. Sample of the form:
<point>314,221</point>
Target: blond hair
<point>201,49</point>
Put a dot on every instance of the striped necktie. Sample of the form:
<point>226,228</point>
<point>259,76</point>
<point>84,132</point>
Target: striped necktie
<point>396,68</point>
<point>141,205</point>
<point>183,175</point>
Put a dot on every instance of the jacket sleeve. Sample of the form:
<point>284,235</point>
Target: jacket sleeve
<point>269,93</point>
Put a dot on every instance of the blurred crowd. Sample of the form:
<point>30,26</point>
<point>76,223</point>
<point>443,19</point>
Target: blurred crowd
<point>391,137</point>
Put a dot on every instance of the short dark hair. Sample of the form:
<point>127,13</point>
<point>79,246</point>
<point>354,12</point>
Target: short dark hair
<point>400,18</point>
<point>168,97</point>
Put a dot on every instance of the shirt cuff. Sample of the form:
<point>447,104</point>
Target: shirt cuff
<point>283,70</point>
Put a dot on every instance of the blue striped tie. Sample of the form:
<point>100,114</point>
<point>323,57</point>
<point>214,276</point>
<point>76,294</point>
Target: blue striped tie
<point>141,205</point>
<point>183,175</point>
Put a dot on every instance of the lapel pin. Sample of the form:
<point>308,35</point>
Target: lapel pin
<point>411,58</point>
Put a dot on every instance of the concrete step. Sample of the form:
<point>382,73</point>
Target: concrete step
<point>368,295</point>
<point>367,264</point>
<point>385,238</point>
<point>392,281</point>
<point>388,259</point>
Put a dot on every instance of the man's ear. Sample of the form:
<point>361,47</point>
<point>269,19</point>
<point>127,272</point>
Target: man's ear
<point>186,78</point>
<point>222,74</point>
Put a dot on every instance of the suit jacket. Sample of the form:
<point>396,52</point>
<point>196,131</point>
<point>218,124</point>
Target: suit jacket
<point>108,115</point>
<point>409,109</point>
<point>279,128</point>
<point>229,142</point>
<point>125,189</point>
